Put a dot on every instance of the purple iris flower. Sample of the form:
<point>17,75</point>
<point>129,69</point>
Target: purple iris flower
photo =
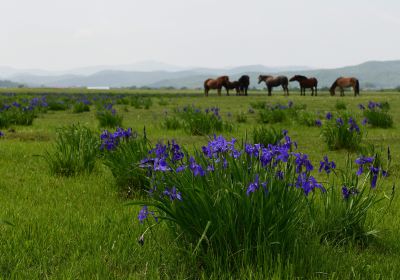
<point>318,123</point>
<point>172,194</point>
<point>326,165</point>
<point>361,161</point>
<point>328,116</point>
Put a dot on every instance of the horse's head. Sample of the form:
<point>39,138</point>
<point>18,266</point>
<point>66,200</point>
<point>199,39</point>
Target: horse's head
<point>332,91</point>
<point>294,78</point>
<point>260,78</point>
<point>224,80</point>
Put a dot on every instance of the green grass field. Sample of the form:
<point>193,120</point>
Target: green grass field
<point>80,228</point>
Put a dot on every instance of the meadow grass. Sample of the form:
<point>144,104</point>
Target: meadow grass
<point>80,227</point>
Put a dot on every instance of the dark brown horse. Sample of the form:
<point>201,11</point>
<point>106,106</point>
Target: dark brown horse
<point>271,82</point>
<point>345,82</point>
<point>233,85</point>
<point>306,83</point>
<point>217,84</point>
<point>244,83</point>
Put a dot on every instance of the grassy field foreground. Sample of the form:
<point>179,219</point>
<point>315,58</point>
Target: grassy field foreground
<point>80,227</point>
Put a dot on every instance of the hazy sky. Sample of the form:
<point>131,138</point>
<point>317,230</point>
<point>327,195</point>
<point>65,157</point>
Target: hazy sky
<point>61,34</point>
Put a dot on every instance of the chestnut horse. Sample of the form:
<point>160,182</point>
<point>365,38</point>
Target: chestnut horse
<point>306,83</point>
<point>345,82</point>
<point>244,83</point>
<point>271,82</point>
<point>217,84</point>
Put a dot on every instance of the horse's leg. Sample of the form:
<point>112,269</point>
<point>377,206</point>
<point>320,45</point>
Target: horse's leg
<point>287,90</point>
<point>269,90</point>
<point>316,91</point>
<point>206,92</point>
<point>219,91</point>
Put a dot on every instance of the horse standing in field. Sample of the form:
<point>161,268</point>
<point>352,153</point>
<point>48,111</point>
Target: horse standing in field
<point>271,82</point>
<point>345,82</point>
<point>217,84</point>
<point>233,85</point>
<point>244,83</point>
<point>306,83</point>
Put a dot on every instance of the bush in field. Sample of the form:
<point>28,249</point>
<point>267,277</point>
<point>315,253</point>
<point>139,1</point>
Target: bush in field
<point>265,136</point>
<point>80,107</point>
<point>307,118</point>
<point>342,133</point>
<point>241,117</point>
<point>162,102</point>
<point>272,116</point>
<point>172,123</point>
<point>197,122</point>
<point>340,105</point>
<point>75,151</point>
<point>279,113</point>
<point>257,203</point>
<point>141,102</point>
<point>16,114</point>
<point>108,117</point>
<point>347,205</point>
<point>376,114</point>
<point>122,152</point>
<point>57,105</point>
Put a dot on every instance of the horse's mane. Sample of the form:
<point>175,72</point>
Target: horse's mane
<point>301,77</point>
<point>333,86</point>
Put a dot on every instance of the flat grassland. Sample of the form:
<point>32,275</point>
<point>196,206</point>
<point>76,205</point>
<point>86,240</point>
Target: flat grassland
<point>80,228</point>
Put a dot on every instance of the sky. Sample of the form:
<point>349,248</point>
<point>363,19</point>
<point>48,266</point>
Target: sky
<point>65,34</point>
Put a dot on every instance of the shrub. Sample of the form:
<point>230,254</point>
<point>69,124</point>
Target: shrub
<point>197,122</point>
<point>19,115</point>
<point>340,105</point>
<point>220,209</point>
<point>307,118</point>
<point>56,105</point>
<point>162,102</point>
<point>378,118</point>
<point>80,107</point>
<point>342,133</point>
<point>171,123</point>
<point>141,102</point>
<point>75,151</point>
<point>265,136</point>
<point>122,153</point>
<point>272,116</point>
<point>347,204</point>
<point>241,117</point>
<point>108,117</point>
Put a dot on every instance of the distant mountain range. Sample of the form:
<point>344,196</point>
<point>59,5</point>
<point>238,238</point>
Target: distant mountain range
<point>372,74</point>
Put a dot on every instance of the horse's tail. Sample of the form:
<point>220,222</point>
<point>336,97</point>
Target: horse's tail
<point>357,87</point>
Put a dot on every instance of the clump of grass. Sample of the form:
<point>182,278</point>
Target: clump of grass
<point>376,114</point>
<point>108,117</point>
<point>163,102</point>
<point>80,107</point>
<point>75,151</point>
<point>57,105</point>
<point>197,122</point>
<point>342,133</point>
<point>307,118</point>
<point>141,102</point>
<point>241,117</point>
<point>272,116</point>
<point>171,123</point>
<point>264,135</point>
<point>122,152</point>
<point>340,105</point>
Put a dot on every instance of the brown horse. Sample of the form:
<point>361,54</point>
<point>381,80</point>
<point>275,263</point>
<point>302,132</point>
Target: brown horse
<point>345,82</point>
<point>306,83</point>
<point>271,82</point>
<point>217,84</point>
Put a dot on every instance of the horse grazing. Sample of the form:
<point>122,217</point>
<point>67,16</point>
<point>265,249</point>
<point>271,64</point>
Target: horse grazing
<point>217,84</point>
<point>271,82</point>
<point>306,83</point>
<point>345,82</point>
<point>244,83</point>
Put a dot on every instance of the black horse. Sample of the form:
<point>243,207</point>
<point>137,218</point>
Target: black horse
<point>244,83</point>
